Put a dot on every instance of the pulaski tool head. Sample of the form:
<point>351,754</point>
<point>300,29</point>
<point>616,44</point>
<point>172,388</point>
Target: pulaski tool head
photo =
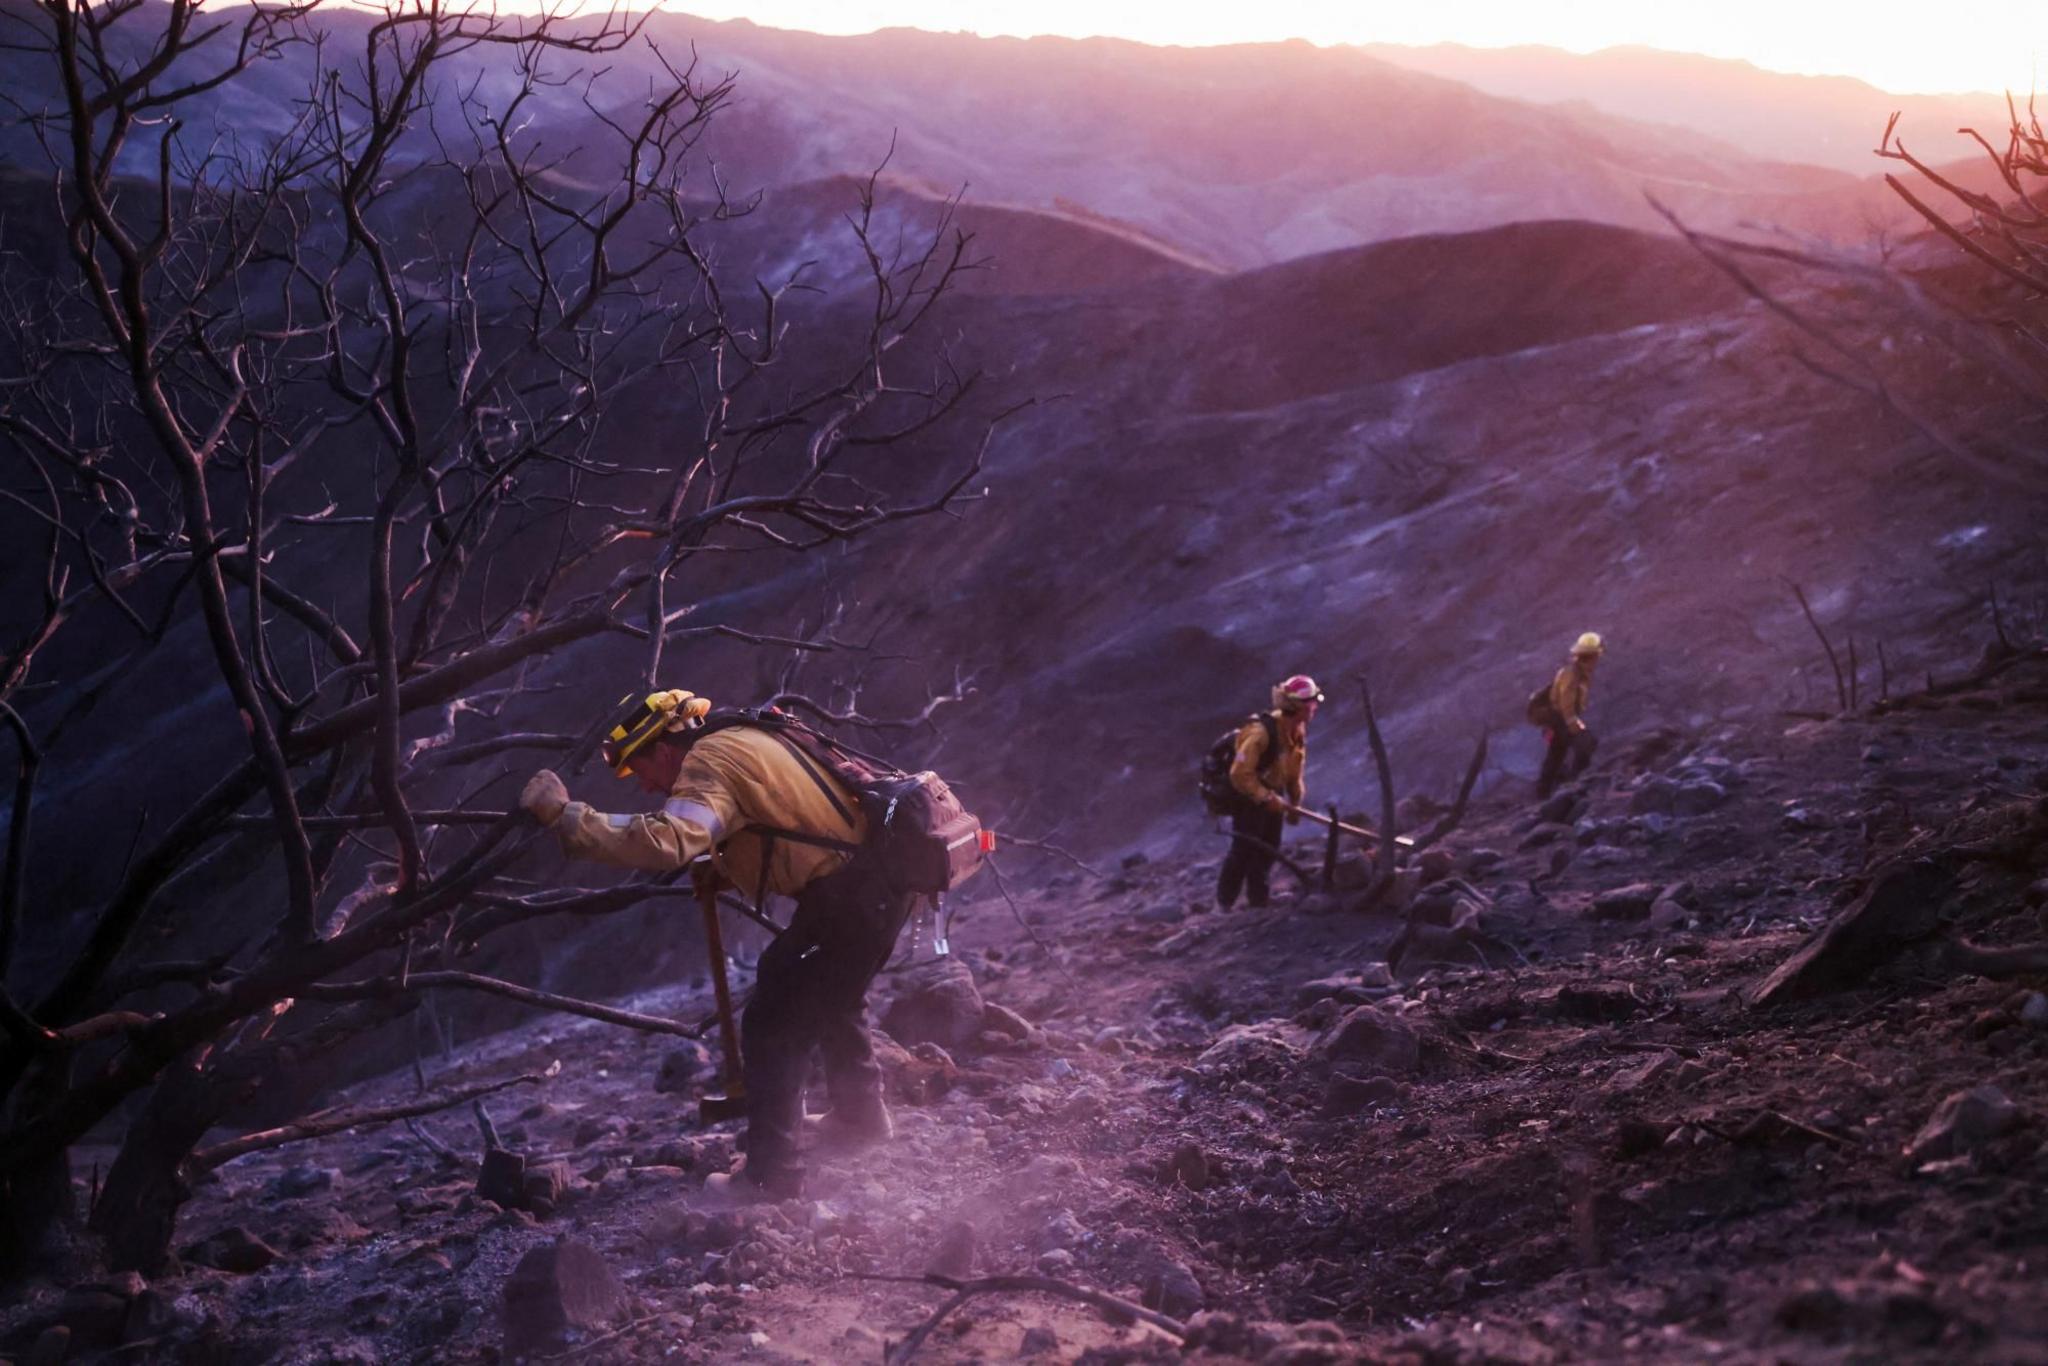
<point>718,1109</point>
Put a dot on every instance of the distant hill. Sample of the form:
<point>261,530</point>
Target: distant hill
<point>1234,156</point>
<point>1831,121</point>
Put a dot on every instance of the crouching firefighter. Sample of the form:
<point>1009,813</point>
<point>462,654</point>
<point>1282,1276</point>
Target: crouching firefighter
<point>1560,709</point>
<point>1257,775</point>
<point>781,808</point>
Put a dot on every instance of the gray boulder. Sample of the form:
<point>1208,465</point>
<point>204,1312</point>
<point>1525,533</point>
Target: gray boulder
<point>1367,1034</point>
<point>937,1002</point>
<point>1962,1122</point>
<point>559,1293</point>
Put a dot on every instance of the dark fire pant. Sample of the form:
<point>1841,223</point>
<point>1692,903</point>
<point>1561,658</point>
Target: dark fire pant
<point>1255,833</point>
<point>811,992</point>
<point>1568,755</point>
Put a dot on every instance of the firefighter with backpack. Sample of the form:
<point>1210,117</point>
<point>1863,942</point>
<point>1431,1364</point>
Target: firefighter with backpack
<point>780,808</point>
<point>1560,709</point>
<point>1256,776</point>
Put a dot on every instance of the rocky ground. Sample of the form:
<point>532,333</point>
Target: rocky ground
<point>1569,1122</point>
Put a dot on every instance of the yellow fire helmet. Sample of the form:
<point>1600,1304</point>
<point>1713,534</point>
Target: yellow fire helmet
<point>641,719</point>
<point>1589,644</point>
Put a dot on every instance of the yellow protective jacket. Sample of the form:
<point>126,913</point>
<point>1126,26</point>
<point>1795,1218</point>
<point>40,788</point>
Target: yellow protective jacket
<point>731,780</point>
<point>1286,775</point>
<point>1568,694</point>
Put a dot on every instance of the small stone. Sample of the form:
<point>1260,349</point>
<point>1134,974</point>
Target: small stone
<point>1348,1095</point>
<point>1668,914</point>
<point>502,1179</point>
<point>297,1181</point>
<point>955,1253</point>
<point>1963,1121</point>
<point>594,1127</point>
<point>1482,860</point>
<point>1698,798</point>
<point>1171,1289</point>
<point>682,1067</point>
<point>544,1186</point>
<point>558,1291</point>
<point>1368,1034</point>
<point>1436,864</point>
<point>1559,808</point>
<point>915,1076</point>
<point>1004,1020</point>
<point>1037,1342</point>
<point>1658,796</point>
<point>1641,1075</point>
<point>1632,902</point>
<point>1056,1262</point>
<point>1189,1166</point>
<point>2034,1010</point>
<point>232,1249</point>
<point>1162,913</point>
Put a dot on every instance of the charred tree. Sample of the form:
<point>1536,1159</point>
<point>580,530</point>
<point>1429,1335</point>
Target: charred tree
<point>347,412</point>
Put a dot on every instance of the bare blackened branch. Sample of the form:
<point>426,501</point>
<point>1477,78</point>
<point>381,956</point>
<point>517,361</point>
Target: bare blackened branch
<point>341,1119</point>
<point>1390,849</point>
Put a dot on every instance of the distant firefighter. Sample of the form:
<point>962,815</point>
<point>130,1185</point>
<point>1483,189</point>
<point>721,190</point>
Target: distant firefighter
<point>754,787</point>
<point>1266,776</point>
<point>1561,710</point>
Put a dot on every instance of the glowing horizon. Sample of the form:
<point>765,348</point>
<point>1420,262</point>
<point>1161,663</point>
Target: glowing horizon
<point>1979,45</point>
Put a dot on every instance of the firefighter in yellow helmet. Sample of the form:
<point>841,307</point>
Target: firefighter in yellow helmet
<point>775,821</point>
<point>1269,775</point>
<point>1561,711</point>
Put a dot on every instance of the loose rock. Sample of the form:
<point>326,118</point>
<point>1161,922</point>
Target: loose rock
<point>936,1003</point>
<point>682,1067</point>
<point>1963,1121</point>
<point>1171,1289</point>
<point>955,1253</point>
<point>563,1288</point>
<point>1348,1095</point>
<point>1632,902</point>
<point>1370,1035</point>
<point>232,1249</point>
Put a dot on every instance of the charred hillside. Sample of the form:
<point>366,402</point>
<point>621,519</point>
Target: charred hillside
<point>362,461</point>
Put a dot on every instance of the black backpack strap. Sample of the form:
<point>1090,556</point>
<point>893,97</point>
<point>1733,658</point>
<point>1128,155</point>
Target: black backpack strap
<point>1272,726</point>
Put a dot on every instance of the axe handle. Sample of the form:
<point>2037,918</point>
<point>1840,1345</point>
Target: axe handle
<point>728,1032</point>
<point>1357,830</point>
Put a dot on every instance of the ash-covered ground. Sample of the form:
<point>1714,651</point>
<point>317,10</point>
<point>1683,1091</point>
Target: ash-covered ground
<point>1561,1126</point>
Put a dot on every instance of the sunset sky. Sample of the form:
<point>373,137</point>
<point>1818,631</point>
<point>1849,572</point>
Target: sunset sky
<point>1910,47</point>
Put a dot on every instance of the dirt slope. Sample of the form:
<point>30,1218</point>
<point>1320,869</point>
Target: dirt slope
<point>1565,1137</point>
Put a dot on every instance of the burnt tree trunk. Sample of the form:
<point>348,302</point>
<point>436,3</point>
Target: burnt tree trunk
<point>137,1212</point>
<point>36,1201</point>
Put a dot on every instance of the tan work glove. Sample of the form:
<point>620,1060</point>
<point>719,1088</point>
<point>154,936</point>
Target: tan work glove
<point>545,796</point>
